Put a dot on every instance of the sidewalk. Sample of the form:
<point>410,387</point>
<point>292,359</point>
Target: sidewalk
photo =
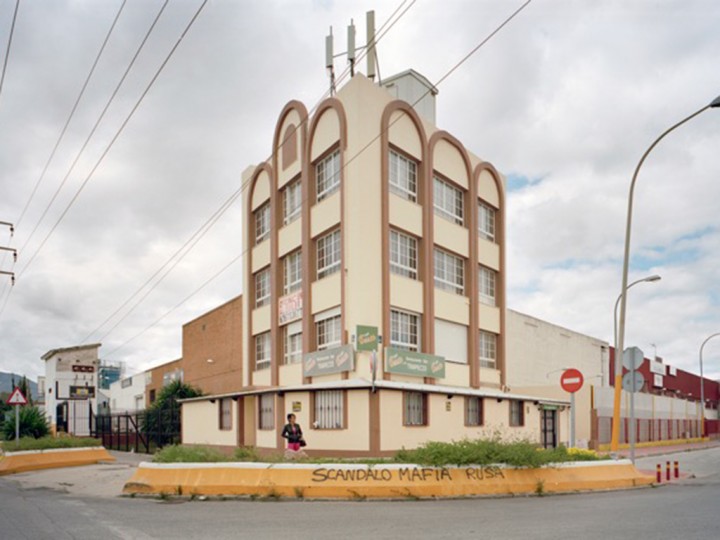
<point>100,480</point>
<point>647,451</point>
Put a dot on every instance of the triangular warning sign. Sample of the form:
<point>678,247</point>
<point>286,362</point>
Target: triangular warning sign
<point>16,398</point>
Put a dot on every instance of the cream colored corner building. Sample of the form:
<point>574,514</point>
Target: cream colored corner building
<point>367,215</point>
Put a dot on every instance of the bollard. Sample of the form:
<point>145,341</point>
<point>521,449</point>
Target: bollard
<point>667,471</point>
<point>677,469</point>
<point>659,473</point>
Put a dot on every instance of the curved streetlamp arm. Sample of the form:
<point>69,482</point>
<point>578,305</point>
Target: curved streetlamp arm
<point>702,379</point>
<point>626,260</point>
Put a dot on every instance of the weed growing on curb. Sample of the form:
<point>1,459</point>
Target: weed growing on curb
<point>540,488</point>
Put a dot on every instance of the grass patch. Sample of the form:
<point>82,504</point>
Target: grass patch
<point>521,454</point>
<point>50,443</point>
<point>177,453</point>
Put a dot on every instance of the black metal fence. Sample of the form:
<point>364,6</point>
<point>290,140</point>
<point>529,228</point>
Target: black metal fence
<point>140,431</point>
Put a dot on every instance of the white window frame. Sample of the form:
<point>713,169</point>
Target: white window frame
<point>262,222</point>
<point>487,285</point>
<point>329,410</point>
<point>263,351</point>
<point>415,409</point>
<point>448,201</point>
<point>402,176</point>
<point>328,254</point>
<point>292,272</point>
<point>405,330</point>
<point>487,349</point>
<point>327,175</point>
<point>292,343</point>
<point>266,411</point>
<point>486,221</point>
<point>262,287</point>
<point>292,201</point>
<point>449,271</point>
<point>328,329</point>
<point>403,254</point>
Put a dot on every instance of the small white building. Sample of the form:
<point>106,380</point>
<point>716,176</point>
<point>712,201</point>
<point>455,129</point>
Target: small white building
<point>70,388</point>
<point>128,394</point>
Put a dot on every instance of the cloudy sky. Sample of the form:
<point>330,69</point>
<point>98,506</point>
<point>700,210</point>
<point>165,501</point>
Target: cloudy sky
<point>564,101</point>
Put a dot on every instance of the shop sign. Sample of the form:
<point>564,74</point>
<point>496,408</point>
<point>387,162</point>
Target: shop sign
<point>83,369</point>
<point>290,307</point>
<point>367,338</point>
<point>413,363</point>
<point>657,381</point>
<point>297,406</point>
<point>82,392</point>
<point>657,367</point>
<point>335,360</point>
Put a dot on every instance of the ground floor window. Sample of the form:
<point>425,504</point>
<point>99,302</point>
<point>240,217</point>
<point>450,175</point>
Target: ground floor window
<point>517,414</point>
<point>329,409</point>
<point>225,409</point>
<point>415,409</point>
<point>473,411</point>
<point>267,411</point>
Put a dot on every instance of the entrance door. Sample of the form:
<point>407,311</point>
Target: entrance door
<point>61,417</point>
<point>549,428</point>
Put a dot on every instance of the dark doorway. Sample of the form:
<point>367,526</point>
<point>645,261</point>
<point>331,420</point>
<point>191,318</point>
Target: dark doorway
<point>549,428</point>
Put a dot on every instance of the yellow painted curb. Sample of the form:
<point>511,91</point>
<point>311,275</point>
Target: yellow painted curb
<point>33,460</point>
<point>380,481</point>
<point>669,442</point>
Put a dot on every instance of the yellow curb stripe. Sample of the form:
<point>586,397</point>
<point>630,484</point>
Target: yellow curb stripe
<point>72,457</point>
<point>408,482</point>
<point>670,442</point>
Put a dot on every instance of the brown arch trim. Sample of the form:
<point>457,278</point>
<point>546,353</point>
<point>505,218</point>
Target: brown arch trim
<point>471,277</point>
<point>390,109</point>
<point>250,242</point>
<point>500,241</point>
<point>276,208</point>
<point>308,193</point>
<point>291,106</point>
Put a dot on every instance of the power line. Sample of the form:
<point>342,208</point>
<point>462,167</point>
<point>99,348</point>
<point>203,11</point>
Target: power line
<point>7,49</point>
<point>85,144</point>
<point>72,113</point>
<point>357,154</point>
<point>115,137</point>
<point>205,228</point>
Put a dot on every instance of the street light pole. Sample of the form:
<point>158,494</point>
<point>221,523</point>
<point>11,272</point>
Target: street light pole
<point>648,279</point>
<point>702,386</point>
<point>626,262</point>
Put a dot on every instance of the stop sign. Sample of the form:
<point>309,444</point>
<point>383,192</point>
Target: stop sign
<point>571,380</point>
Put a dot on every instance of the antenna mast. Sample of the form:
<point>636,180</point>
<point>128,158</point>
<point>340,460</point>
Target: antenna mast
<point>352,50</point>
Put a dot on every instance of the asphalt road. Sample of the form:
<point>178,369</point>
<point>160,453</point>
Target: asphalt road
<point>688,510</point>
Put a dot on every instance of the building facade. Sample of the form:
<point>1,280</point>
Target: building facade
<point>128,394</point>
<point>71,387</point>
<point>374,279</point>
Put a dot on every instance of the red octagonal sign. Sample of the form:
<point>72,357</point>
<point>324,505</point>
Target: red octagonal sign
<point>571,380</point>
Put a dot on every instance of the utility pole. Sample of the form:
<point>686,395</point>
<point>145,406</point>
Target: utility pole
<point>11,250</point>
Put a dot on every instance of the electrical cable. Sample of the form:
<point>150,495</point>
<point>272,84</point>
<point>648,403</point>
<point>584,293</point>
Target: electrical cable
<point>85,144</point>
<point>204,229</point>
<point>7,49</point>
<point>355,156</point>
<point>113,140</point>
<point>72,113</point>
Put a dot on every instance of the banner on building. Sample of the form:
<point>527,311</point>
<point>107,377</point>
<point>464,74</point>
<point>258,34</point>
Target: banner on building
<point>657,367</point>
<point>329,361</point>
<point>367,338</point>
<point>82,392</point>
<point>290,307</point>
<point>413,363</point>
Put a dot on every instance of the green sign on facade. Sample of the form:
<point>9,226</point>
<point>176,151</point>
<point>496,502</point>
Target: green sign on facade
<point>335,360</point>
<point>367,338</point>
<point>414,363</point>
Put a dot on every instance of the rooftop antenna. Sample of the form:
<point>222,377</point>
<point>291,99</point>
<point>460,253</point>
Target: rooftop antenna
<point>352,49</point>
<point>329,60</point>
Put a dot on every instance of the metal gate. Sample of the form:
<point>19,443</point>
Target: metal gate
<point>142,431</point>
<point>549,428</point>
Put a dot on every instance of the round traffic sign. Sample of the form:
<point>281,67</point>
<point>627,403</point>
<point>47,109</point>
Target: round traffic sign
<point>571,380</point>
